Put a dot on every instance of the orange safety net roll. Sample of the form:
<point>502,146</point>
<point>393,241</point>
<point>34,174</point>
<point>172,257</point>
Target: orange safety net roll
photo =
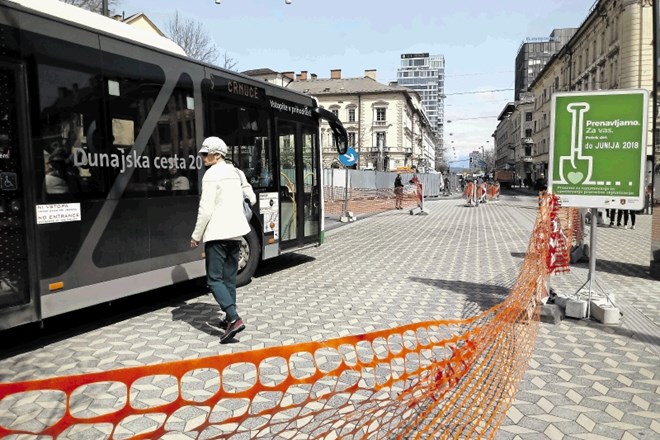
<point>432,380</point>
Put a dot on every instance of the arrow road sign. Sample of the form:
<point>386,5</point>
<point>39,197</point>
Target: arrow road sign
<point>349,158</point>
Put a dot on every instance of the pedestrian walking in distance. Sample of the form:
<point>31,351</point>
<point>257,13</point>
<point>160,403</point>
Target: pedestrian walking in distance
<point>398,192</point>
<point>220,225</point>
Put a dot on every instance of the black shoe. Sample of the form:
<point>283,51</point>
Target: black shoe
<point>234,328</point>
<point>219,324</point>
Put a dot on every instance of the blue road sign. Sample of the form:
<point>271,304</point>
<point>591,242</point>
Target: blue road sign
<point>349,158</point>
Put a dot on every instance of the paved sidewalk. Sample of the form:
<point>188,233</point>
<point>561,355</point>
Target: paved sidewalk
<point>585,380</point>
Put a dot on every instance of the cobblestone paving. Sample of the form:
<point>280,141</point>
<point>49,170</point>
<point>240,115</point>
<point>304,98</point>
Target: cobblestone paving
<point>585,380</point>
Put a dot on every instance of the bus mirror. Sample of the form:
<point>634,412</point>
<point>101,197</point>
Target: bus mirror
<point>341,144</point>
<point>339,135</point>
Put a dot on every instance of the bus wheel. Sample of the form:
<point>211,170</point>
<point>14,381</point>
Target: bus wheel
<point>249,257</point>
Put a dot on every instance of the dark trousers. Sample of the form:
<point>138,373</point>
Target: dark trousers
<point>626,213</point>
<point>221,268</point>
<point>611,213</point>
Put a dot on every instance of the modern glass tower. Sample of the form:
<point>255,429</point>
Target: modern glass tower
<point>425,74</point>
<point>533,55</point>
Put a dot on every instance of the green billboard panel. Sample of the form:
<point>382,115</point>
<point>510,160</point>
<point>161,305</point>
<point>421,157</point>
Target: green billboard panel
<point>598,148</point>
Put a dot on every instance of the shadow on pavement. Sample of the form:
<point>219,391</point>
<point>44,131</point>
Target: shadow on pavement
<point>282,262</point>
<point>31,336</point>
<point>200,315</point>
<point>478,296</point>
<point>619,268</point>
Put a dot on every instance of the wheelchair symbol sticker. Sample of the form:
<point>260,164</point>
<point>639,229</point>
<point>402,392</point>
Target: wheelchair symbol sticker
<point>8,182</point>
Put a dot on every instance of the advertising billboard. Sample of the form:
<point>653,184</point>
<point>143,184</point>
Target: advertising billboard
<point>598,148</point>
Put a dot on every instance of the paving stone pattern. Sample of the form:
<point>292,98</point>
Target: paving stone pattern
<point>585,380</point>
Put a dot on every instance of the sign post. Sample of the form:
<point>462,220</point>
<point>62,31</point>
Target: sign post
<point>597,154</point>
<point>347,159</point>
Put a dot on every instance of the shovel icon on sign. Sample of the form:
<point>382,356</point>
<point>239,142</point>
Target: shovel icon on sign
<point>576,168</point>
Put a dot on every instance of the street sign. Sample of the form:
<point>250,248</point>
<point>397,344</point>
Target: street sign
<point>349,158</point>
<point>598,148</point>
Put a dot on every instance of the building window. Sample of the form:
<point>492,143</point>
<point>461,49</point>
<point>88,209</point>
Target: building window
<point>528,132</point>
<point>380,139</point>
<point>335,112</point>
<point>351,139</point>
<point>380,114</point>
<point>528,116</point>
<point>351,115</point>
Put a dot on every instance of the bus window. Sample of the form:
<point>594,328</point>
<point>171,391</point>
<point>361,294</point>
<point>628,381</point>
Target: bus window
<point>68,103</point>
<point>311,189</point>
<point>174,149</point>
<point>132,89</point>
<point>288,189</point>
<point>245,131</point>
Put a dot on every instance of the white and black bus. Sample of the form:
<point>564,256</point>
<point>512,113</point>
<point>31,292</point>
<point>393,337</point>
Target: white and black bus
<point>100,125</point>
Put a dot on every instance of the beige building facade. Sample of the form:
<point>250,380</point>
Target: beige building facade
<point>513,138</point>
<point>386,124</point>
<point>612,49</point>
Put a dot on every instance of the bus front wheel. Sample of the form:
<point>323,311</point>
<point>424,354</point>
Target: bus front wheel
<point>249,257</point>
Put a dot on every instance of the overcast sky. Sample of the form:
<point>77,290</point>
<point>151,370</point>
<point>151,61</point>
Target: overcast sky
<point>478,38</point>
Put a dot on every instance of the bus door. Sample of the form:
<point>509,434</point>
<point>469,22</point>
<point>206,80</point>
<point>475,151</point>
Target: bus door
<point>14,273</point>
<point>300,192</point>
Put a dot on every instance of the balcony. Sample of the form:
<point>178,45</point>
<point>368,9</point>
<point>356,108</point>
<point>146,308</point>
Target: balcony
<point>527,158</point>
<point>380,123</point>
<point>386,149</point>
<point>527,140</point>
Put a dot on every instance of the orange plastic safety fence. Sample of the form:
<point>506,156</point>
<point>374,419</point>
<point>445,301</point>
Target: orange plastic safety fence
<point>491,191</point>
<point>431,380</point>
<point>365,201</point>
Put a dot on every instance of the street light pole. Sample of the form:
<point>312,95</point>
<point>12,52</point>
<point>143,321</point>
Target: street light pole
<point>104,8</point>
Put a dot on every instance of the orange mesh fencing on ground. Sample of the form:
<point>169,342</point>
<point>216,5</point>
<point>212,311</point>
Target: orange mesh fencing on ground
<point>432,380</point>
<point>366,201</point>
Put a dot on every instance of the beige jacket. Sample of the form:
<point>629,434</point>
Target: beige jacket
<point>220,215</point>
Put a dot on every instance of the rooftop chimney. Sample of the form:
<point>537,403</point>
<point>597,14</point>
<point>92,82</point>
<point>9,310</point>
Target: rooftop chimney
<point>314,76</point>
<point>303,75</point>
<point>335,74</point>
<point>298,77</point>
<point>370,73</point>
<point>288,75</point>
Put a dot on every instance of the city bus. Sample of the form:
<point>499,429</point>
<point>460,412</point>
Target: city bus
<point>100,125</point>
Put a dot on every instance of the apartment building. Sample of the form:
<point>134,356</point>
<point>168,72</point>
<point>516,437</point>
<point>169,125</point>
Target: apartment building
<point>425,74</point>
<point>533,55</point>
<point>503,148</point>
<point>513,138</point>
<point>386,124</point>
<point>612,49</point>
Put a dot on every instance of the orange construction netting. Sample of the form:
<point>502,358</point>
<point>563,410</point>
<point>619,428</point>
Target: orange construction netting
<point>366,201</point>
<point>487,191</point>
<point>431,380</point>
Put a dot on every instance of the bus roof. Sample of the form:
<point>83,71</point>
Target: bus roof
<point>80,16</point>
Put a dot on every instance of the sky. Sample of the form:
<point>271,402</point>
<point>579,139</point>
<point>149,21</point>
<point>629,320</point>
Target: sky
<point>478,38</point>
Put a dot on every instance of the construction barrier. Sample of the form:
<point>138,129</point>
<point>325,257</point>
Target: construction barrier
<point>366,201</point>
<point>486,191</point>
<point>433,380</point>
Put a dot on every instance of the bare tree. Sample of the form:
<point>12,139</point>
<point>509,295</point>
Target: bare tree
<point>489,161</point>
<point>93,5</point>
<point>191,36</point>
<point>228,62</point>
